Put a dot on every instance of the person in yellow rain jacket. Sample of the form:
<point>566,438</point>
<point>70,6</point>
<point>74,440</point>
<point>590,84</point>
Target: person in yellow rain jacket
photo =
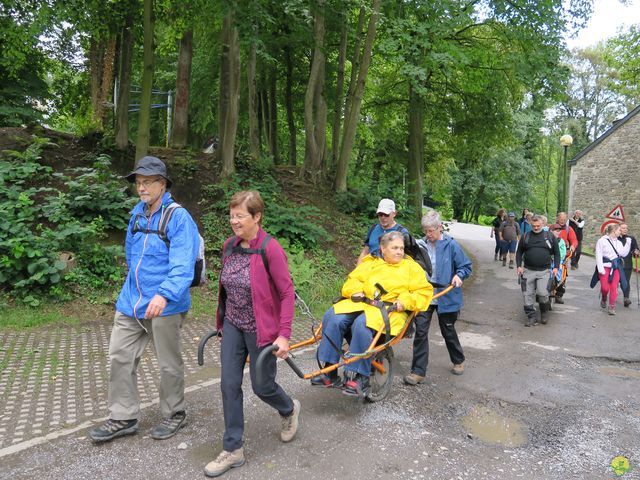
<point>394,279</point>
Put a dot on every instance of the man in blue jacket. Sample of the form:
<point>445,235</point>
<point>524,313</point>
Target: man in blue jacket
<point>450,267</point>
<point>153,304</point>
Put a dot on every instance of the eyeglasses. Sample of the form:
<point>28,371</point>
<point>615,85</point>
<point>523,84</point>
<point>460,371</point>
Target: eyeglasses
<point>380,214</point>
<point>146,183</point>
<point>239,216</point>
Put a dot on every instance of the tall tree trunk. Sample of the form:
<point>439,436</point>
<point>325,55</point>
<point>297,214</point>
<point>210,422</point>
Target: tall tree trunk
<point>351,122</point>
<point>355,61</point>
<point>96,62</point>
<point>124,86</point>
<point>288,99</point>
<point>314,103</point>
<point>337,109</point>
<point>106,87</point>
<point>229,123</point>
<point>142,142</point>
<point>416,150</point>
<point>273,115</point>
<point>254,127</point>
<point>180,130</point>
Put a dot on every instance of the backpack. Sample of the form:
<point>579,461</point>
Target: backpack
<point>417,249</point>
<point>262,251</point>
<point>199,268</point>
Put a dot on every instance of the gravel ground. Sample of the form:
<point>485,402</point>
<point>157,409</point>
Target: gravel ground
<point>551,402</point>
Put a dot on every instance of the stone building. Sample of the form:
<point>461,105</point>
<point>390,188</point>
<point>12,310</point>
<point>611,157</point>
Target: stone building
<point>607,173</point>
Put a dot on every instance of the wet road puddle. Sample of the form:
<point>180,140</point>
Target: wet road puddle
<point>491,427</point>
<point>620,372</point>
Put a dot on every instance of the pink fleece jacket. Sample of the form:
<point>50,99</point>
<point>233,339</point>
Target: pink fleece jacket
<point>271,292</point>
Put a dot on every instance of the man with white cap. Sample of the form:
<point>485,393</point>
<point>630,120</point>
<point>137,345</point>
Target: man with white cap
<point>386,223</point>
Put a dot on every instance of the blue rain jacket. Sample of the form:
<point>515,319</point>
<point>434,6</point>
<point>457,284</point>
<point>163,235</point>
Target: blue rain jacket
<point>450,260</point>
<point>154,267</point>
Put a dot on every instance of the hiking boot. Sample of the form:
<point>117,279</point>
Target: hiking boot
<point>544,310</point>
<point>559,300</point>
<point>458,369</point>
<point>223,462</point>
<point>627,302</point>
<point>603,304</point>
<point>357,387</point>
<point>510,263</point>
<point>413,379</point>
<point>169,426</point>
<point>112,429</point>
<point>331,380</point>
<point>611,310</point>
<point>495,257</point>
<point>290,423</point>
<point>504,262</point>
<point>530,312</point>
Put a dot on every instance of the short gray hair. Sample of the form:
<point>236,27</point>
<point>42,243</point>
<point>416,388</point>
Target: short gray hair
<point>431,219</point>
<point>389,237</point>
<point>537,218</point>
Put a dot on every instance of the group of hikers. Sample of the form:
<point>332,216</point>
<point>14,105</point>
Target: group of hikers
<point>256,309</point>
<point>544,253</point>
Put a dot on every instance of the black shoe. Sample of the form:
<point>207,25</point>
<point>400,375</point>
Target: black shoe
<point>332,380</point>
<point>112,429</point>
<point>627,302</point>
<point>357,387</point>
<point>559,300</point>
<point>169,426</point>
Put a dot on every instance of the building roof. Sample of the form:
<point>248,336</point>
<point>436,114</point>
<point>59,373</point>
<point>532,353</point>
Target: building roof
<point>617,124</point>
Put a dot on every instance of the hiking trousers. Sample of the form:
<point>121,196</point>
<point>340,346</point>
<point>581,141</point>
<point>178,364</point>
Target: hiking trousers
<point>128,342</point>
<point>536,283</point>
<point>421,340</point>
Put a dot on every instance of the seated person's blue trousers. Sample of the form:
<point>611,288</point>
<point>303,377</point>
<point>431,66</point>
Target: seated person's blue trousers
<point>334,326</point>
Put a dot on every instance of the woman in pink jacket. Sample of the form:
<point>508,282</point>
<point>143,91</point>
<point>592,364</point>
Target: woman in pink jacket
<point>609,253</point>
<point>255,312</point>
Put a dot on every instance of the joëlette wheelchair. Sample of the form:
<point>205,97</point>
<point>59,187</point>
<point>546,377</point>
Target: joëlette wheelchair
<point>380,350</point>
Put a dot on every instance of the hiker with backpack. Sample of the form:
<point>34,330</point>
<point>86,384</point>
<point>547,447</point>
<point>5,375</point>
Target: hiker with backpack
<point>256,303</point>
<point>450,266</point>
<point>152,305</point>
<point>610,253</point>
<point>386,213</point>
<point>535,255</point>
<point>509,233</point>
<point>628,260</point>
<point>495,226</point>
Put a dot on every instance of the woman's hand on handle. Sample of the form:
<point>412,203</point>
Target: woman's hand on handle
<point>283,347</point>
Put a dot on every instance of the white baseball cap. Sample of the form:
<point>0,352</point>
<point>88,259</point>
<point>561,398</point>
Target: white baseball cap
<point>387,206</point>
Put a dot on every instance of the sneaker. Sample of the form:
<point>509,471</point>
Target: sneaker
<point>357,387</point>
<point>290,423</point>
<point>495,257</point>
<point>332,380</point>
<point>223,462</point>
<point>169,426</point>
<point>112,429</point>
<point>603,304</point>
<point>627,302</point>
<point>559,300</point>
<point>458,369</point>
<point>510,263</point>
<point>611,310</point>
<point>413,379</point>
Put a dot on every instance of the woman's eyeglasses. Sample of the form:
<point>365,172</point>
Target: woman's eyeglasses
<point>238,217</point>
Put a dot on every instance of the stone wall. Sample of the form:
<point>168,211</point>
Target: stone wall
<point>608,175</point>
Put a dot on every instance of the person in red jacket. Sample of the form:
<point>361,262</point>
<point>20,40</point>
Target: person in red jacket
<point>569,236</point>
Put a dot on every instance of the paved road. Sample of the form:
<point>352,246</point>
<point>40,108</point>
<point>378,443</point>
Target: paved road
<point>556,401</point>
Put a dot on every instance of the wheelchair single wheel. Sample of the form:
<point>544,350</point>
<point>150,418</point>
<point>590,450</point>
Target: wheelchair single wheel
<point>381,382</point>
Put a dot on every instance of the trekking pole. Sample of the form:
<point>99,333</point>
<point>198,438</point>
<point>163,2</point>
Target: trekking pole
<point>637,285</point>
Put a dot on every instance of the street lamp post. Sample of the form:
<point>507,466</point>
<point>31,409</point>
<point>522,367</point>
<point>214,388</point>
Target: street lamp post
<point>565,142</point>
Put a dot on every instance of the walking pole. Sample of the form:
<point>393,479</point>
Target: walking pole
<point>637,286</point>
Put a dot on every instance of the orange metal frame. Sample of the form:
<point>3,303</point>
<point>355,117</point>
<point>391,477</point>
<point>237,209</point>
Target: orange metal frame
<point>373,349</point>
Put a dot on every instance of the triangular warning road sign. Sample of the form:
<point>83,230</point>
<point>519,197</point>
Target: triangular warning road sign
<point>617,213</point>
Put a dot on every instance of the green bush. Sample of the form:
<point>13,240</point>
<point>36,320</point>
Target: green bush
<point>36,224</point>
